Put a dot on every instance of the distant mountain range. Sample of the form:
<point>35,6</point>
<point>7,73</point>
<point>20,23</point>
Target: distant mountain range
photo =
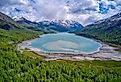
<point>54,26</point>
<point>107,30</point>
<point>8,23</point>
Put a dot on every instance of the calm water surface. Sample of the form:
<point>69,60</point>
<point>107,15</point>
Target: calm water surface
<point>65,43</point>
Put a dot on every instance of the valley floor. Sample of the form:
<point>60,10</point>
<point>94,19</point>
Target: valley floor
<point>30,67</point>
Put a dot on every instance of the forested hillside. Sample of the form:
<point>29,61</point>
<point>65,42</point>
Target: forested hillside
<point>8,23</point>
<point>107,30</point>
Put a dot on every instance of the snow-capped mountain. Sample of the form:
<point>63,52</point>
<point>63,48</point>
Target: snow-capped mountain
<point>56,25</point>
<point>62,25</point>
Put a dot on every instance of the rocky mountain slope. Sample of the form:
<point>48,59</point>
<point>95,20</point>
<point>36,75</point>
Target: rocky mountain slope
<point>7,22</point>
<point>54,26</point>
<point>4,17</point>
<point>107,30</point>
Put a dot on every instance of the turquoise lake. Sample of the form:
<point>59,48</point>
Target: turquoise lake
<point>65,43</point>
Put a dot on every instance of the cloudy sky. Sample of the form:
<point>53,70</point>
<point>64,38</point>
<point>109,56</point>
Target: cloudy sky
<point>83,11</point>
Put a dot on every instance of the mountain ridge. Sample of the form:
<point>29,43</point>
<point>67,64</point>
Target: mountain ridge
<point>107,30</point>
<point>57,25</point>
<point>6,22</point>
<point>4,17</point>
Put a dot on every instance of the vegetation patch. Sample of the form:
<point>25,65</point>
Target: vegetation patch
<point>29,67</point>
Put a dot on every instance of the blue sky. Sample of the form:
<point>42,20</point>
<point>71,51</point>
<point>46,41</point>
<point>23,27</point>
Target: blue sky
<point>83,11</point>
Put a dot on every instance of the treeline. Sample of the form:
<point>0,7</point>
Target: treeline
<point>29,67</point>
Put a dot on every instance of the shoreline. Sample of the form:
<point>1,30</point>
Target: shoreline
<point>105,52</point>
<point>118,47</point>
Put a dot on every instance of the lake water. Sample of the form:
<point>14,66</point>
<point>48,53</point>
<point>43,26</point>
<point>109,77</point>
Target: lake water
<point>65,43</point>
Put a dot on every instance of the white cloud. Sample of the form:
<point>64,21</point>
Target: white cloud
<point>84,11</point>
